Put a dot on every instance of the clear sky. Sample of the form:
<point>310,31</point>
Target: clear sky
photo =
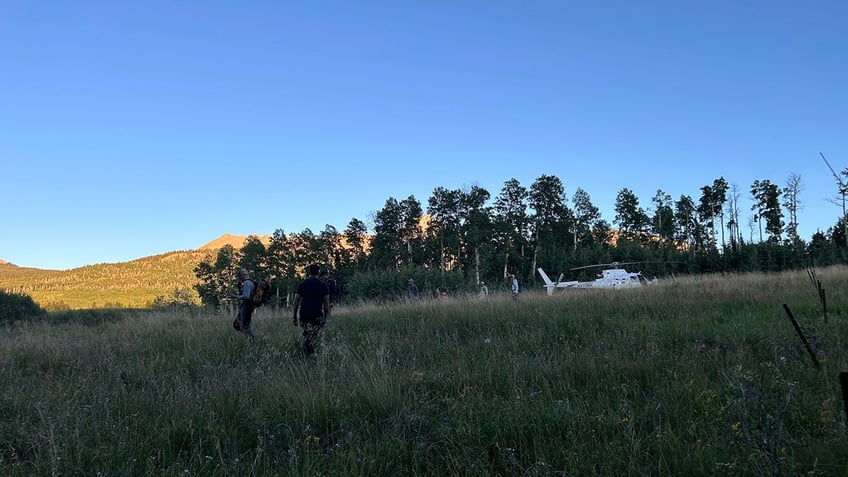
<point>129,129</point>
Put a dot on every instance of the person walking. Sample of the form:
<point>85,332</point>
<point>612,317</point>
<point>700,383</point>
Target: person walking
<point>246,306</point>
<point>332,285</point>
<point>412,292</point>
<point>514,286</point>
<point>484,290</point>
<point>312,299</point>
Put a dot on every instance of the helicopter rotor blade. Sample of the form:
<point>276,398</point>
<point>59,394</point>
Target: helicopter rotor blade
<point>588,266</point>
<point>611,264</point>
<point>618,264</point>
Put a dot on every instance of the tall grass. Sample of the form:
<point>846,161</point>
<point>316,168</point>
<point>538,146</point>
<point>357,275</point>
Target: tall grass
<point>695,376</point>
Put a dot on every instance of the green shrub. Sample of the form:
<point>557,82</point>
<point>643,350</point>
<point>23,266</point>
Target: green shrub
<point>18,307</point>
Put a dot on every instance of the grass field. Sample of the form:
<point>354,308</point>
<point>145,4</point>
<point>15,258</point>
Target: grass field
<point>692,376</point>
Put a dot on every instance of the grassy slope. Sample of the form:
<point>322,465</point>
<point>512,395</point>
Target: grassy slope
<point>698,376</point>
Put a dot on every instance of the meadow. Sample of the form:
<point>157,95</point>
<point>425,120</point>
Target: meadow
<point>692,376</point>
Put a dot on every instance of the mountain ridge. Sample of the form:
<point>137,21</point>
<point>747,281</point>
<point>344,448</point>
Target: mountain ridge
<point>236,241</point>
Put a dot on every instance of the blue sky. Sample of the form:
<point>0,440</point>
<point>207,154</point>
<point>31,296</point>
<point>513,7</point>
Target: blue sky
<point>133,129</point>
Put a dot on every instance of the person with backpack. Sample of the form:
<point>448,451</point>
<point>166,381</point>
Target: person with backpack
<point>246,304</point>
<point>312,299</point>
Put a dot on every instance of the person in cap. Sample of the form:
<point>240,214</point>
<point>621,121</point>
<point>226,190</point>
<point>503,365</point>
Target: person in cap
<point>312,299</point>
<point>484,290</point>
<point>514,286</point>
<point>246,306</point>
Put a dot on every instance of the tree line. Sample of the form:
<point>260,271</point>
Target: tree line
<point>465,236</point>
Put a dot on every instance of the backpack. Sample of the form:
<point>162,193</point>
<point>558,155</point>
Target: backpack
<point>261,292</point>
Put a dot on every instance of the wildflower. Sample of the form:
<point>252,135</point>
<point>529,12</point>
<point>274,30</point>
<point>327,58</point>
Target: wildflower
<point>736,426</point>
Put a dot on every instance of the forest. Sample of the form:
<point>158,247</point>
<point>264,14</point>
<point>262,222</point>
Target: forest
<point>463,237</point>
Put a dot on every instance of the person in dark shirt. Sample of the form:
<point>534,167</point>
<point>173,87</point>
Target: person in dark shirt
<point>312,299</point>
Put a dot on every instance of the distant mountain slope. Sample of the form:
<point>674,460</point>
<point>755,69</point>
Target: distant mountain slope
<point>125,284</point>
<point>237,241</point>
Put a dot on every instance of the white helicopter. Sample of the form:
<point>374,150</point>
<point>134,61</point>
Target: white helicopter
<point>614,278</point>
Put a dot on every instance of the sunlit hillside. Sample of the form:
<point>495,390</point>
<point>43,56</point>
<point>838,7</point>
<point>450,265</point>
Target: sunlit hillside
<point>124,285</point>
<point>132,284</point>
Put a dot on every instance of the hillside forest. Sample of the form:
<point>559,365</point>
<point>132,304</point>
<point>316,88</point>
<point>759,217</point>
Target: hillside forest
<point>463,237</point>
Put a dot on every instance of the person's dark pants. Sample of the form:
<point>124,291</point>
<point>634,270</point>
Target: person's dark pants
<point>245,316</point>
<point>311,332</point>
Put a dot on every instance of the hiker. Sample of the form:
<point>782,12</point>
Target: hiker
<point>246,305</point>
<point>332,286</point>
<point>312,299</point>
<point>412,292</point>
<point>484,290</point>
<point>514,286</point>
